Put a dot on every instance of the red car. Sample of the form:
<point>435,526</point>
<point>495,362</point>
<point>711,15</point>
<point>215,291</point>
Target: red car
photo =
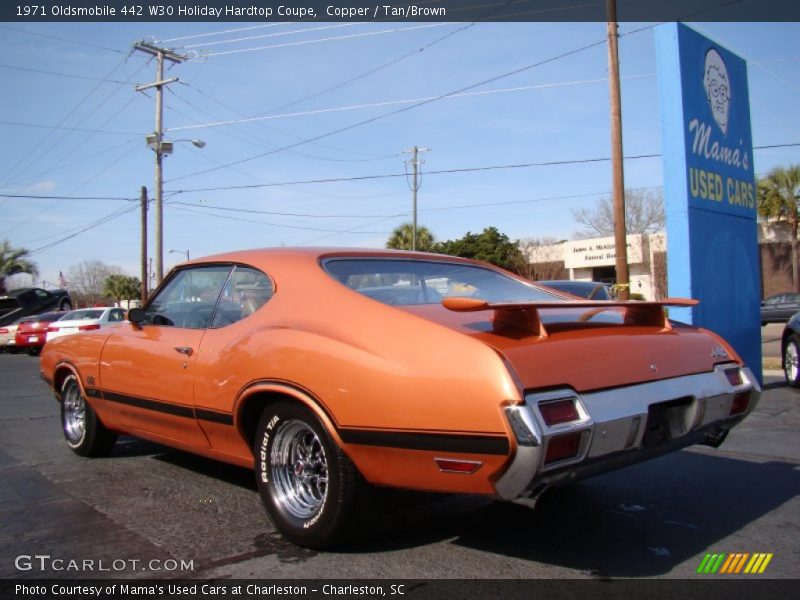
<point>32,331</point>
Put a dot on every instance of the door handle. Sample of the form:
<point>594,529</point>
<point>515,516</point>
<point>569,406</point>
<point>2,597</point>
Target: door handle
<point>184,350</point>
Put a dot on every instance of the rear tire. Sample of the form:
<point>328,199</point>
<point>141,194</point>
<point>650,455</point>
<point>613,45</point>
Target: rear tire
<point>34,350</point>
<point>791,360</point>
<point>85,433</point>
<point>309,487</point>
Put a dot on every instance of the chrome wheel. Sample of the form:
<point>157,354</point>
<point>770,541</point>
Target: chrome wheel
<point>299,469</point>
<point>790,362</point>
<point>74,411</point>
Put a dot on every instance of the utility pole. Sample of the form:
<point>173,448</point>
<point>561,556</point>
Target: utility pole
<point>144,244</point>
<point>415,163</point>
<point>620,230</point>
<point>156,141</point>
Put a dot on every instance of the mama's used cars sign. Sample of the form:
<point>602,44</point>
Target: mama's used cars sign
<point>710,187</point>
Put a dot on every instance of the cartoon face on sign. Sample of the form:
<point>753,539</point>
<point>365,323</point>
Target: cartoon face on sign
<point>718,91</point>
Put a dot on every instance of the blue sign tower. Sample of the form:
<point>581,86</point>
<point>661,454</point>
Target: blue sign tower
<point>710,187</point>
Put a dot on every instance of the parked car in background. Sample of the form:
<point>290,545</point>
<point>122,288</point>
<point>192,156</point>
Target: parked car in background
<point>328,371</point>
<point>592,290</point>
<point>85,319</point>
<point>32,332</point>
<point>8,335</point>
<point>790,350</point>
<point>31,301</point>
<point>779,308</point>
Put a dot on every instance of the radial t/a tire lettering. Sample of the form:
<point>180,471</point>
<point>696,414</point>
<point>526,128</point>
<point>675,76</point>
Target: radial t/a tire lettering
<point>309,487</point>
<point>84,432</point>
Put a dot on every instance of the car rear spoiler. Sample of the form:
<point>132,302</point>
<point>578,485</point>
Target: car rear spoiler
<point>525,315</point>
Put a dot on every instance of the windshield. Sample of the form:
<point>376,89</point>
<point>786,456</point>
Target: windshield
<point>408,282</point>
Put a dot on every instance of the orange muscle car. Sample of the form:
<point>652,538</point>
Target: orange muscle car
<point>329,370</point>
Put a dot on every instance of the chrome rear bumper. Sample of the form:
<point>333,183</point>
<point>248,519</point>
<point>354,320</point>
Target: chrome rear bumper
<point>613,427</point>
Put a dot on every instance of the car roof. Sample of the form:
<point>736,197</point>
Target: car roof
<point>268,258</point>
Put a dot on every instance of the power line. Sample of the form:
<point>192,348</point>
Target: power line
<point>328,39</point>
<point>404,109</point>
<point>199,35</point>
<point>60,128</point>
<point>280,214</point>
<point>66,41</point>
<point>116,214</point>
<point>42,197</point>
<point>253,221</point>
<point>69,114</point>
<point>259,119</point>
<point>267,35</point>
<point>60,74</point>
<point>434,172</point>
<point>255,140</point>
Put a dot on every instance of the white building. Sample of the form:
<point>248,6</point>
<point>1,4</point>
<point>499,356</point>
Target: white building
<point>595,260</point>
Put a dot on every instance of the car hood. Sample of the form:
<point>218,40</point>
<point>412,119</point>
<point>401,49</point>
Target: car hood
<point>588,355</point>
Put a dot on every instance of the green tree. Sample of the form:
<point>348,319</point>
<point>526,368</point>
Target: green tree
<point>401,237</point>
<point>122,287</point>
<point>779,198</point>
<point>490,246</point>
<point>13,262</point>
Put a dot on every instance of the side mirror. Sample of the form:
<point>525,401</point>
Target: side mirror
<point>137,316</point>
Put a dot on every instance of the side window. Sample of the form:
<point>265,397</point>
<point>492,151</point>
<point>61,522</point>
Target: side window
<point>116,315</point>
<point>246,291</point>
<point>43,295</point>
<point>189,298</point>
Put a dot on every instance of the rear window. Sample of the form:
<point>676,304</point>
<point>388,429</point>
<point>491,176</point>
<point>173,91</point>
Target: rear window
<point>409,282</point>
<point>51,316</point>
<point>81,315</point>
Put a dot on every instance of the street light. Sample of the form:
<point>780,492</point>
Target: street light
<point>157,143</point>
<point>186,252</point>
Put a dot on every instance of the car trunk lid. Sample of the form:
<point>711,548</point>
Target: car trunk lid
<point>587,345</point>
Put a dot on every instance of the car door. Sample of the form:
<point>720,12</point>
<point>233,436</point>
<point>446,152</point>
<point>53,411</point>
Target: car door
<point>226,344</point>
<point>147,370</point>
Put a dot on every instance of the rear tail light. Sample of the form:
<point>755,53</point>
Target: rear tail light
<point>452,465</point>
<point>559,411</point>
<point>3,330</point>
<point>740,402</point>
<point>88,327</point>
<point>563,447</point>
<point>734,376</point>
<point>51,329</point>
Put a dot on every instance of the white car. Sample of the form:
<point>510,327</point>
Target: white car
<point>85,319</point>
<point>8,334</point>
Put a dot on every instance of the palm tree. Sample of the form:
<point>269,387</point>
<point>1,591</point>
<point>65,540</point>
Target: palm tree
<point>779,198</point>
<point>13,262</point>
<point>402,236</point>
<point>122,287</point>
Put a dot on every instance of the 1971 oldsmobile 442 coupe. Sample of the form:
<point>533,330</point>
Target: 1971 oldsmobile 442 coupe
<point>329,370</point>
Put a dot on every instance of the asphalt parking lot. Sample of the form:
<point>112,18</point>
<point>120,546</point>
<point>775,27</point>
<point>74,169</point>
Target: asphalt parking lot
<point>148,505</point>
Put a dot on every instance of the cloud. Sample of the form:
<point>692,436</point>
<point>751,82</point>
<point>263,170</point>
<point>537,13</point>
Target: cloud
<point>41,187</point>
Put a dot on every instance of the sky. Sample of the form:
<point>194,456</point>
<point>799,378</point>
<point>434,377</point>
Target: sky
<point>74,127</point>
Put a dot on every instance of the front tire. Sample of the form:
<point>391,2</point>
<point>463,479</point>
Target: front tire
<point>791,360</point>
<point>309,487</point>
<point>85,433</point>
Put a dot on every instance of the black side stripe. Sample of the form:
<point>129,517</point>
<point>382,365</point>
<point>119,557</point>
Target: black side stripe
<point>165,407</point>
<point>467,444</point>
<point>213,416</point>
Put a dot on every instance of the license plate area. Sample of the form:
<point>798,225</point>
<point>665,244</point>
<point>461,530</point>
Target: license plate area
<point>667,421</point>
